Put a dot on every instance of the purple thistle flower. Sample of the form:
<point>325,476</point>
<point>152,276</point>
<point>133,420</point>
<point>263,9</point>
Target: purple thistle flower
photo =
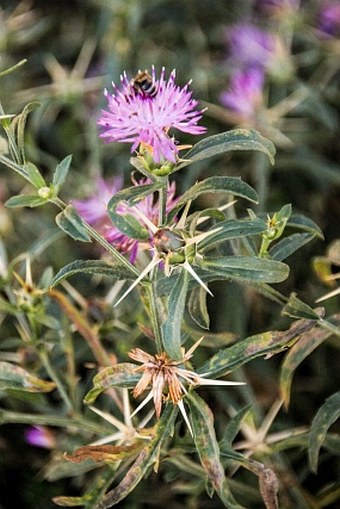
<point>329,18</point>
<point>94,211</point>
<point>244,95</point>
<point>40,436</point>
<point>251,46</point>
<point>138,118</point>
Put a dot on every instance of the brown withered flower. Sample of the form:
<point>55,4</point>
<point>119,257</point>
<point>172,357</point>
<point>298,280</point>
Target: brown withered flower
<point>168,379</point>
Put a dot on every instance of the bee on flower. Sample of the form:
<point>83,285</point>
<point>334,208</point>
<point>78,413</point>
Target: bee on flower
<point>143,111</point>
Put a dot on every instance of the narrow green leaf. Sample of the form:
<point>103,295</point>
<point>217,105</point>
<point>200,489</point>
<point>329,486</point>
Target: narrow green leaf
<point>25,200</point>
<point>115,271</point>
<point>296,308</point>
<point>287,246</point>
<point>119,375</point>
<point>247,268</point>
<point>202,423</point>
<point>34,175</point>
<point>146,458</point>
<point>305,223</point>
<point>307,343</point>
<point>197,307</point>
<point>327,414</point>
<point>70,222</point>
<point>231,229</point>
<point>61,172</point>
<point>271,342</point>
<point>233,185</point>
<point>70,501</point>
<point>21,122</point>
<point>3,145</point>
<point>127,223</point>
<point>233,428</point>
<point>16,378</point>
<point>236,139</point>
<point>171,327</point>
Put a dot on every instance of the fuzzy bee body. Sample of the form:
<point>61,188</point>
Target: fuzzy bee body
<point>143,84</point>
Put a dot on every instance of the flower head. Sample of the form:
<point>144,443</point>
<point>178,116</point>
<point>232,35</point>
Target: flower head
<point>141,118</point>
<point>168,379</point>
<point>94,211</point>
<point>244,95</point>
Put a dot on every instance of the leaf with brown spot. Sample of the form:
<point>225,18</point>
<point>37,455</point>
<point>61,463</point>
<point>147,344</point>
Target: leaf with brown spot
<point>147,457</point>
<point>202,423</point>
<point>264,344</point>
<point>103,452</point>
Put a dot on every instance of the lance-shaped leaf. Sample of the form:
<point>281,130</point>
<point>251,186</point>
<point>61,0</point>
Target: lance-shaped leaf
<point>71,223</point>
<point>197,307</point>
<point>296,308</point>
<point>17,378</point>
<point>20,120</point>
<point>61,171</point>
<point>247,268</point>
<point>287,246</point>
<point>307,343</point>
<point>115,271</point>
<point>119,375</point>
<point>126,223</point>
<point>25,200</point>
<point>202,423</point>
<point>232,229</point>
<point>236,139</point>
<point>305,223</point>
<point>171,327</point>
<point>232,185</point>
<point>325,417</point>
<point>146,458</point>
<point>271,342</point>
<point>34,175</point>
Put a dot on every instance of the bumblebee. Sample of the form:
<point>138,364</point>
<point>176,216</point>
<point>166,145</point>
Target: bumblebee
<point>143,84</point>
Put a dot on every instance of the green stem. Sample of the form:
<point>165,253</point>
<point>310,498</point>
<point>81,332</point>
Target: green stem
<point>330,327</point>
<point>9,417</point>
<point>53,375</point>
<point>163,193</point>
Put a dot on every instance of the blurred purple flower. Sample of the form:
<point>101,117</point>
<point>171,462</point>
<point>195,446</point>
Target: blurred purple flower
<point>40,436</point>
<point>329,18</point>
<point>138,118</point>
<point>276,6</point>
<point>244,95</point>
<point>250,46</point>
<point>94,211</point>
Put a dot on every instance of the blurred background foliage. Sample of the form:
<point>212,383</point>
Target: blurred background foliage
<point>76,48</point>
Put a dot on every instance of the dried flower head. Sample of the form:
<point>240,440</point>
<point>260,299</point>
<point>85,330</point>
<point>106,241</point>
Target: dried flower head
<point>137,116</point>
<point>168,379</point>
